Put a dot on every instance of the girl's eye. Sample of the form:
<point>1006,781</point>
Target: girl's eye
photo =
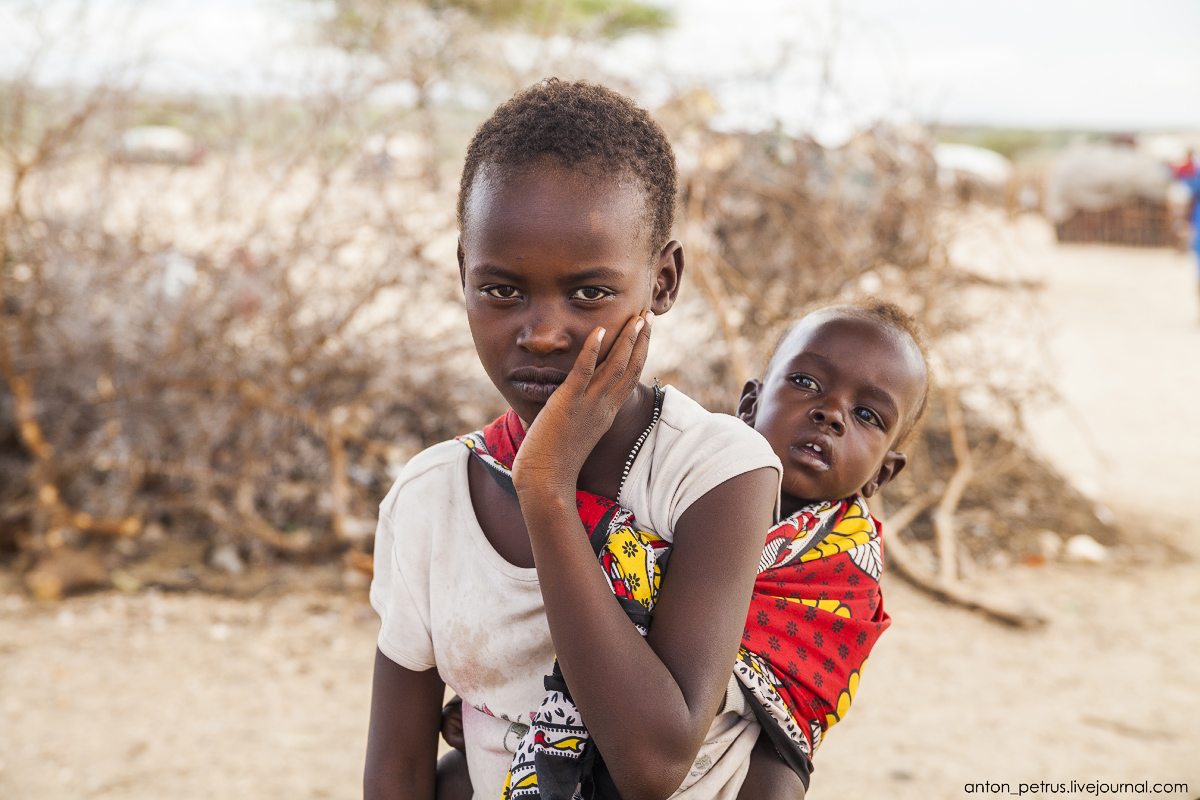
<point>805,382</point>
<point>500,292</point>
<point>589,293</point>
<point>868,416</point>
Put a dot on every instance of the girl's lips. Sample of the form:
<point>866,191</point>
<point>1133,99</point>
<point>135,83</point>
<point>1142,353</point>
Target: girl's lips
<point>536,384</point>
<point>535,391</point>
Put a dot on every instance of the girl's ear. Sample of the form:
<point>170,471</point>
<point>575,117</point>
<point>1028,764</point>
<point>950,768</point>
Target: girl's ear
<point>747,408</point>
<point>462,264</point>
<point>668,272</point>
<point>892,465</point>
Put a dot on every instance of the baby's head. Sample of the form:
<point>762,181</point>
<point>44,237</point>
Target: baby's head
<point>844,387</point>
<point>565,211</point>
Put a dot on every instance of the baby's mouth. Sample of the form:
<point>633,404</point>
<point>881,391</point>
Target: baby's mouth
<point>812,454</point>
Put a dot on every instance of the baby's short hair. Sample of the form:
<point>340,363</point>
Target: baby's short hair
<point>581,124</point>
<point>885,313</point>
<point>899,320</point>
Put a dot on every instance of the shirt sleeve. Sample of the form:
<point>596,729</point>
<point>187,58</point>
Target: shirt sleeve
<point>693,452</point>
<point>400,587</point>
<point>718,449</point>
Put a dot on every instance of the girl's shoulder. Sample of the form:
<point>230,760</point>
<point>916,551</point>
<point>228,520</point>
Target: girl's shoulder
<point>434,469</point>
<point>433,463</point>
<point>689,436</point>
<point>685,415</point>
<point>688,453</point>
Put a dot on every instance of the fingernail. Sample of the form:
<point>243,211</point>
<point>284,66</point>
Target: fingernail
<point>637,328</point>
<point>649,319</point>
<point>600,338</point>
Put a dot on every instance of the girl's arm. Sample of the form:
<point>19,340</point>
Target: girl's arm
<point>406,715</point>
<point>648,702</point>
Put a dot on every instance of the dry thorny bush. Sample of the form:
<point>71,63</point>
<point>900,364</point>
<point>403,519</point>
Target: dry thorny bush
<point>775,225</point>
<point>241,349</point>
<point>242,353</point>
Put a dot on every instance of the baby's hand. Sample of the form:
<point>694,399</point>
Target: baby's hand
<point>452,725</point>
<point>582,409</point>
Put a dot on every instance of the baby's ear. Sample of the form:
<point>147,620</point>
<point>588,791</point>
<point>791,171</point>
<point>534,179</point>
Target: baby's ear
<point>893,463</point>
<point>747,408</point>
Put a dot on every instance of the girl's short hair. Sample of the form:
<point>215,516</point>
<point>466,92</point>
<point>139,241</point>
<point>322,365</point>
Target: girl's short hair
<point>580,124</point>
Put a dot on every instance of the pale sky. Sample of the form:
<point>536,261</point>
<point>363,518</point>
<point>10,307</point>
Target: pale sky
<point>1034,63</point>
<point>1041,63</point>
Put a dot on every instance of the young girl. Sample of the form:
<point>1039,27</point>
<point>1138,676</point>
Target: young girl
<point>565,209</point>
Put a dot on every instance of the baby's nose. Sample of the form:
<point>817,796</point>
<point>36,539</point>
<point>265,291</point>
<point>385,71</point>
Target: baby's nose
<point>828,417</point>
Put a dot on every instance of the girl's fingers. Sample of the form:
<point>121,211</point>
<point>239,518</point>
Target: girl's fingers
<point>615,363</point>
<point>637,359</point>
<point>623,366</point>
<point>581,373</point>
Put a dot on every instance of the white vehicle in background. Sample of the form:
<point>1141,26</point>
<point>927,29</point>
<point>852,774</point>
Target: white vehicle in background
<point>158,144</point>
<point>972,172</point>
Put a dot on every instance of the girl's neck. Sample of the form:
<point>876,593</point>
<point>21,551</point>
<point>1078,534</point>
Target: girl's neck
<point>601,473</point>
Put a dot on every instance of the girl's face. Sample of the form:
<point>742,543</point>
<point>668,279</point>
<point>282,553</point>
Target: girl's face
<point>547,255</point>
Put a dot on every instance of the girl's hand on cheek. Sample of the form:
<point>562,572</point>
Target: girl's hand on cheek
<point>581,410</point>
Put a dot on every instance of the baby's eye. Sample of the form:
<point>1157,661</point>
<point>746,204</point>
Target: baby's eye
<point>804,382</point>
<point>501,292</point>
<point>589,293</point>
<point>868,416</point>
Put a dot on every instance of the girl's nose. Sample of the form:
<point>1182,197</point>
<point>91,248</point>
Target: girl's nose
<point>544,336</point>
<point>830,418</point>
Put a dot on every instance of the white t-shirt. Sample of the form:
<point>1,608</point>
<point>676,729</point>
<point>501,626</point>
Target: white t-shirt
<point>448,600</point>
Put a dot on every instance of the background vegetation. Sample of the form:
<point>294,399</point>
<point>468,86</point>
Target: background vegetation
<point>229,353</point>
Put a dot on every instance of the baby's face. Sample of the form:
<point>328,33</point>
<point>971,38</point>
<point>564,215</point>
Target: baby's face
<point>546,256</point>
<point>837,396</point>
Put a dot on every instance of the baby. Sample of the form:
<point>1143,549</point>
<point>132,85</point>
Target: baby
<point>843,389</point>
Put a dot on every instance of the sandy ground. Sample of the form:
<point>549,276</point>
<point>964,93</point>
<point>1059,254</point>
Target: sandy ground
<point>150,696</point>
<point>1123,334</point>
<point>194,697</point>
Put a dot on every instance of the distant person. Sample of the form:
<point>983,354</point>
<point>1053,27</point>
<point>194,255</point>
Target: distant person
<point>1190,177</point>
<point>1186,169</point>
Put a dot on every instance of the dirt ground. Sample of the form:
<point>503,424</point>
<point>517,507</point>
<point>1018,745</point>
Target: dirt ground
<point>191,696</point>
<point>1123,327</point>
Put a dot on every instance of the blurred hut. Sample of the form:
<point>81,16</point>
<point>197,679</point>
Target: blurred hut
<point>1110,193</point>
